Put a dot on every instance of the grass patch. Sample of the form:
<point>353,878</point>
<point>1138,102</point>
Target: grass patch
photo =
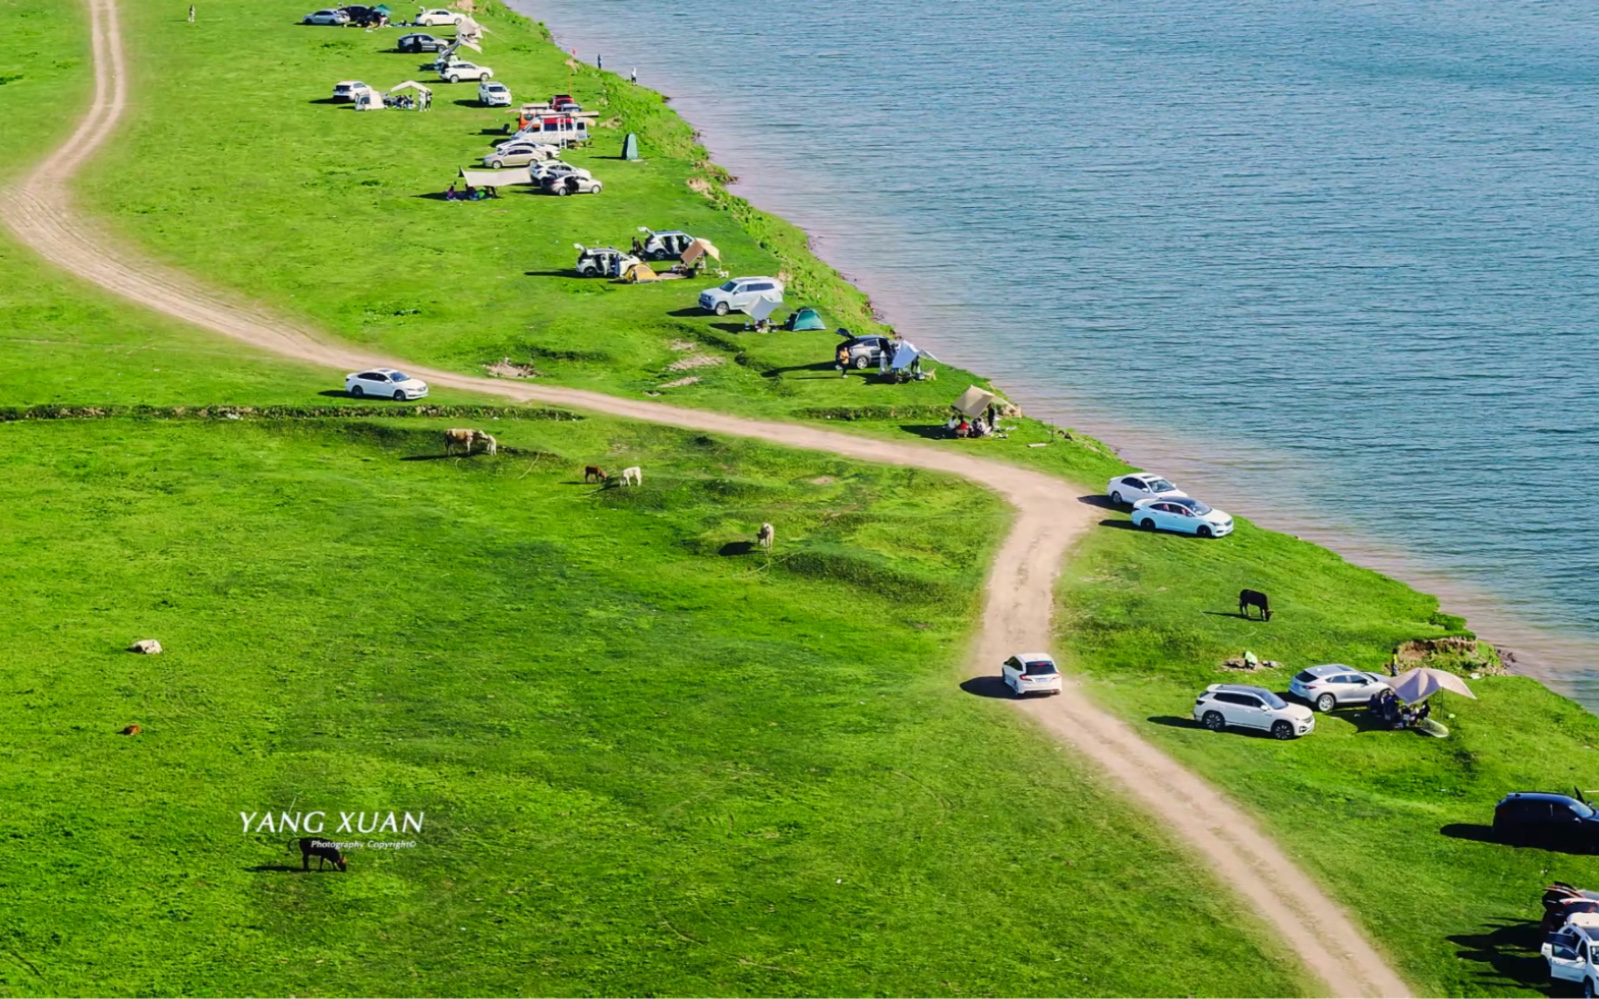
<point>645,767</point>
<point>1392,822</point>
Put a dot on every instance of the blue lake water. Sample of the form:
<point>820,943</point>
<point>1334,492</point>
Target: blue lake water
<point>1333,263</point>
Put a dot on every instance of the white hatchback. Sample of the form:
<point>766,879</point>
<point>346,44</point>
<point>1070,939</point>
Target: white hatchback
<point>386,383</point>
<point>1182,514</point>
<point>739,294</point>
<point>1030,673</point>
<point>1125,490</point>
<point>1234,705</point>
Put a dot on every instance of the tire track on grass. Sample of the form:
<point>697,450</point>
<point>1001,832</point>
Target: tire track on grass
<point>1020,590</point>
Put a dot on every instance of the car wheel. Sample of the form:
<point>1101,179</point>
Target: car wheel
<point>399,396</point>
<point>1325,703</point>
<point>721,308</point>
<point>455,79</point>
<point>1148,523</point>
<point>861,363</point>
<point>496,165</point>
<point>357,391</point>
<point>595,189</point>
<point>1116,498</point>
<point>1203,531</point>
<point>1214,721</point>
<point>1282,731</point>
<point>561,191</point>
<point>1588,989</point>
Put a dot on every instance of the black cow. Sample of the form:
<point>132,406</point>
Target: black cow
<point>322,850</point>
<point>1253,598</point>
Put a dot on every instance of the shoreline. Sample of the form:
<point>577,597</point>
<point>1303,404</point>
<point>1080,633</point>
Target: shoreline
<point>1554,656</point>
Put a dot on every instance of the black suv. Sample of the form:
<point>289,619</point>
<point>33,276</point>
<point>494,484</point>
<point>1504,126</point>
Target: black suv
<point>1539,819</point>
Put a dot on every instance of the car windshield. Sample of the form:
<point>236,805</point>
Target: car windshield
<point>1272,700</point>
<point>1160,486</point>
<point>1583,811</point>
<point>399,376</point>
<point>730,286</point>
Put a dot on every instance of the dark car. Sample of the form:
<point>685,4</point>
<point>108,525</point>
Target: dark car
<point>421,43</point>
<point>362,17</point>
<point>1539,819</point>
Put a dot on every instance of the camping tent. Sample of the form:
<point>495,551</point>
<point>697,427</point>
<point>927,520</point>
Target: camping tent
<point>761,309</point>
<point>973,401</point>
<point>640,274</point>
<point>700,248</point>
<point>630,146</point>
<point>367,99</point>
<point>806,318</point>
<point>496,178</point>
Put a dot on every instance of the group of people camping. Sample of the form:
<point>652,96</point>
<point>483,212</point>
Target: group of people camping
<point>470,194</point>
<point>1386,706</point>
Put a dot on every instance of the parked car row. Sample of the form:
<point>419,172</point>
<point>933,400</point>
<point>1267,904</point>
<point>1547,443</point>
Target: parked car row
<point>1160,506</point>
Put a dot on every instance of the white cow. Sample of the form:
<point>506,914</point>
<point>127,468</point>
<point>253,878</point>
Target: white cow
<point>633,476</point>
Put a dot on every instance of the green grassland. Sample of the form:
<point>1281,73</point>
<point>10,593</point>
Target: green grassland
<point>647,766</point>
<point>1394,823</point>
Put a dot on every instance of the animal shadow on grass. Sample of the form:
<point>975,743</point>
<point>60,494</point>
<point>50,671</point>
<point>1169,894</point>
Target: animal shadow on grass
<point>264,868</point>
<point>1509,949</point>
<point>1241,617</point>
<point>441,457</point>
<point>987,686</point>
<point>736,548</point>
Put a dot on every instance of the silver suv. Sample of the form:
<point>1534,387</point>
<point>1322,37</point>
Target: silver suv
<point>1224,705</point>
<point>740,293</point>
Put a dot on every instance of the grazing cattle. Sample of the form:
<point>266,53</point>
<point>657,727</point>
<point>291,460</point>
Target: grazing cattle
<point>594,473</point>
<point>766,536</point>
<point>321,849</point>
<point>633,476</point>
<point>1253,598</point>
<point>131,730</point>
<point>460,437</point>
<point>490,445</point>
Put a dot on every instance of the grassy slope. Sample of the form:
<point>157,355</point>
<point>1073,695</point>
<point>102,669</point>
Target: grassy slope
<point>1387,819</point>
<point>646,768</point>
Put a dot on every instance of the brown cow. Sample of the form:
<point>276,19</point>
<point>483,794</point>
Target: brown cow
<point>460,437</point>
<point>594,473</point>
<point>131,730</point>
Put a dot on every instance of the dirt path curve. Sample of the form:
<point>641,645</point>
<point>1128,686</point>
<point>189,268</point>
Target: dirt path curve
<point>1020,595</point>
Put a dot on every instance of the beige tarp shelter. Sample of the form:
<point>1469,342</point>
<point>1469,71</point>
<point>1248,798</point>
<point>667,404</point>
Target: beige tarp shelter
<point>496,178</point>
<point>700,248</point>
<point>973,401</point>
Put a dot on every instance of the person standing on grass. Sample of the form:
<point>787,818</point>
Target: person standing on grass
<point>599,63</point>
<point>191,13</point>
<point>633,76</point>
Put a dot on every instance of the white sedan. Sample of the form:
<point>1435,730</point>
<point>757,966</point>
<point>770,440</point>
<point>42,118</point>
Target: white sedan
<point>1182,514</point>
<point>335,18</point>
<point>455,72</point>
<point>438,18</point>
<point>1030,673</point>
<point>515,154</point>
<point>1125,490</point>
<point>386,383</point>
<point>493,95</point>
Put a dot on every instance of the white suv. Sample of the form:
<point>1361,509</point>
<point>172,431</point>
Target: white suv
<point>1239,706</point>
<point>1030,673</point>
<point>740,293</point>
<point>455,72</point>
<point>1570,952</point>
<point>493,95</point>
<point>1333,685</point>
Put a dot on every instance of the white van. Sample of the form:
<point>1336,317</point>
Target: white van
<point>556,130</point>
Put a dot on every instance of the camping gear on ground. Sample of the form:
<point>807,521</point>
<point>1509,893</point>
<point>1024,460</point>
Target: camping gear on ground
<point>602,261</point>
<point>496,178</point>
<point>801,319</point>
<point>665,245</point>
<point>397,96</point>
<point>1416,685</point>
<point>907,362</point>
<point>761,314</point>
<point>699,249</point>
<point>630,147</point>
<point>640,273</point>
<point>973,401</point>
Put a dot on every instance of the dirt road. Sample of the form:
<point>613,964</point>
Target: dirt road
<point>1019,601</point>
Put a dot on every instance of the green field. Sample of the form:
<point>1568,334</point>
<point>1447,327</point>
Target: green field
<point>647,766</point>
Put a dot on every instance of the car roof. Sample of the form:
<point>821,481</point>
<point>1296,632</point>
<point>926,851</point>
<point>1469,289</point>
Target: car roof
<point>1238,688</point>
<point>1538,796</point>
<point>1034,656</point>
<point>1587,922</point>
<point>1330,669</point>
